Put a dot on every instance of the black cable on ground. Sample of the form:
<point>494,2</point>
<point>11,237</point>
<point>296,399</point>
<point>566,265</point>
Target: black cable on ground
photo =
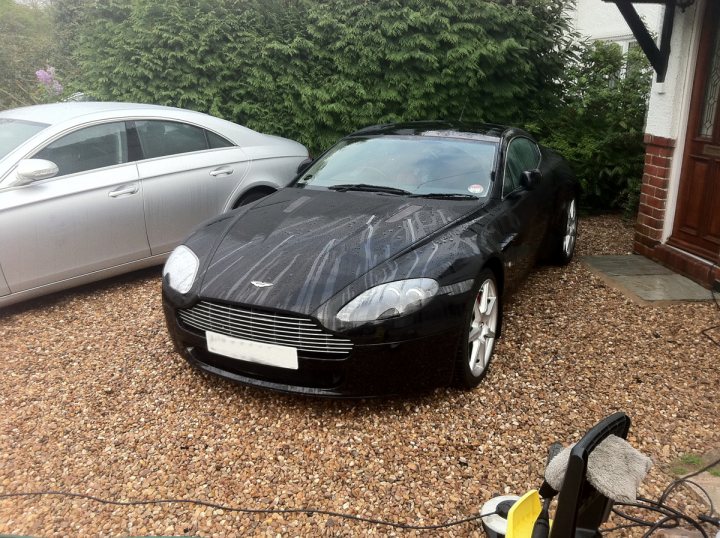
<point>307,511</point>
<point>671,516</point>
<point>679,481</point>
<point>706,332</point>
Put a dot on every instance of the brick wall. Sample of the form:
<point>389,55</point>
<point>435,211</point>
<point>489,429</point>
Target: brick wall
<point>653,194</point>
<point>651,216</point>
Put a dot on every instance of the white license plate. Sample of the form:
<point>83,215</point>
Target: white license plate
<point>257,352</point>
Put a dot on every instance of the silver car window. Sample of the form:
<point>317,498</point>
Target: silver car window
<point>88,148</point>
<point>15,132</point>
<point>162,138</point>
<point>217,141</point>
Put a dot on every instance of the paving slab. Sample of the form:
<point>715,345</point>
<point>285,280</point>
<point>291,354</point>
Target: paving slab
<point>627,265</point>
<point>711,486</point>
<point>645,281</point>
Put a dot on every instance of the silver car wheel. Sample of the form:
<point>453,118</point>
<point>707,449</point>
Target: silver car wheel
<point>483,327</point>
<point>570,229</point>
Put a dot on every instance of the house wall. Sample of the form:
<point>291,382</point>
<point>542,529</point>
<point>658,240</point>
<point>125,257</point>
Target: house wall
<point>596,19</point>
<point>665,130</point>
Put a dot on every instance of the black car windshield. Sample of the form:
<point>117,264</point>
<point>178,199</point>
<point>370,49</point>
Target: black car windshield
<point>15,132</point>
<point>448,168</point>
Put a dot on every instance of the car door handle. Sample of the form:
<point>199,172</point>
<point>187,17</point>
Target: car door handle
<point>223,171</point>
<point>123,191</point>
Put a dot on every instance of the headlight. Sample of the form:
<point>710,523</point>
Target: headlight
<point>389,300</point>
<point>181,269</point>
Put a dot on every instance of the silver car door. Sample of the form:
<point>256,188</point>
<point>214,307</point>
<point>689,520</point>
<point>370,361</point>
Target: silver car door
<point>79,221</point>
<point>186,178</point>
<point>4,289</point>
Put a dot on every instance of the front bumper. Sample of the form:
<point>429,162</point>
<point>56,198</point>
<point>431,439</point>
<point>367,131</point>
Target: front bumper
<point>369,369</point>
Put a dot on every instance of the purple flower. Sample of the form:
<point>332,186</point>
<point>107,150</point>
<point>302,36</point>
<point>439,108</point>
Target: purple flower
<point>46,77</point>
<point>43,76</point>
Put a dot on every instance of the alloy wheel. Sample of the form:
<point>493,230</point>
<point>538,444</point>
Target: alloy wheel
<point>570,229</point>
<point>483,327</point>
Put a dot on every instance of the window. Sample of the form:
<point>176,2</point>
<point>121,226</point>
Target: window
<point>522,155</point>
<point>217,141</point>
<point>87,149</point>
<point>15,132</point>
<point>417,164</point>
<point>162,138</point>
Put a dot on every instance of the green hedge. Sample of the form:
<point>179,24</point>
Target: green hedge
<point>314,70</point>
<point>599,127</point>
<point>26,43</point>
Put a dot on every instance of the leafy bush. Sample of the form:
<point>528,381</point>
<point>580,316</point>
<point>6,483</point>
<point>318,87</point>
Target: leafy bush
<point>26,45</point>
<point>599,127</point>
<point>314,70</point>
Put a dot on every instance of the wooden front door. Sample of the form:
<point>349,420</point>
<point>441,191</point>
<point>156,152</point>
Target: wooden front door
<point>697,217</point>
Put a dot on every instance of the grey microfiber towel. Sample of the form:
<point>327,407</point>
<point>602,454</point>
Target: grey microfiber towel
<point>615,469</point>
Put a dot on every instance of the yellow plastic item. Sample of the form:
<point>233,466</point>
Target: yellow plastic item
<point>521,517</point>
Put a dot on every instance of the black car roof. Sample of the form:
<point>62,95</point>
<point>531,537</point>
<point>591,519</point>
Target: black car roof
<point>438,128</point>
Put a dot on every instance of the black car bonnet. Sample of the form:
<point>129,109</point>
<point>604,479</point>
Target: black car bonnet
<point>297,248</point>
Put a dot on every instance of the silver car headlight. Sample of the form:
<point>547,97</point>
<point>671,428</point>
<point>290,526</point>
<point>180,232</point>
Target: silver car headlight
<point>181,269</point>
<point>389,300</point>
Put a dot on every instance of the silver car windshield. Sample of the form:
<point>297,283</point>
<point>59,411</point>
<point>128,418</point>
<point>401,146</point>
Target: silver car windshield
<point>409,164</point>
<point>15,132</point>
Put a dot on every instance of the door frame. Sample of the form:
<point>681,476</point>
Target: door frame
<point>698,79</point>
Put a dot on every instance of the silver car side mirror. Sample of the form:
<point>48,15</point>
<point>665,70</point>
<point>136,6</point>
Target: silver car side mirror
<point>29,170</point>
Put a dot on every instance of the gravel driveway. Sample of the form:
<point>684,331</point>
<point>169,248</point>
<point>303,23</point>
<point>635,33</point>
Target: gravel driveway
<point>94,400</point>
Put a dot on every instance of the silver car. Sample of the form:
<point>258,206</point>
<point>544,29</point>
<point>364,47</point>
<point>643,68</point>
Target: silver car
<point>90,190</point>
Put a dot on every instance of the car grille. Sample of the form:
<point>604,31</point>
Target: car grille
<point>264,326</point>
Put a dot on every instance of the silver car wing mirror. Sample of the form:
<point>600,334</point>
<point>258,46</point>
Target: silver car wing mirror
<point>29,170</point>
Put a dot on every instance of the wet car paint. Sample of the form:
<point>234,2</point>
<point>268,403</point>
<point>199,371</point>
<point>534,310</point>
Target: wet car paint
<point>320,249</point>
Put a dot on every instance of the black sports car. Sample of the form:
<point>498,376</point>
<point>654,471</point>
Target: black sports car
<point>380,269</point>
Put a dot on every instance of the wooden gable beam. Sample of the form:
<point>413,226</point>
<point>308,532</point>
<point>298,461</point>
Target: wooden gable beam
<point>658,56</point>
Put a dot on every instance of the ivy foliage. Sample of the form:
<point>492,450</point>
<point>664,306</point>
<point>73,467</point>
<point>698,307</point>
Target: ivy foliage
<point>599,128</point>
<point>314,70</point>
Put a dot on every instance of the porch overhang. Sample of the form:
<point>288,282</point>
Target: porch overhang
<point>658,56</point>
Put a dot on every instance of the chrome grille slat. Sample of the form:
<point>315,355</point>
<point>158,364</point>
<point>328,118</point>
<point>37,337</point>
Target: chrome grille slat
<point>262,326</point>
<point>240,310</point>
<point>257,321</point>
<point>324,342</point>
<point>265,328</point>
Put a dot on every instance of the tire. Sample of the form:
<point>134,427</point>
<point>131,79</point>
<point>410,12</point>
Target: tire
<point>477,341</point>
<point>253,196</point>
<point>562,247</point>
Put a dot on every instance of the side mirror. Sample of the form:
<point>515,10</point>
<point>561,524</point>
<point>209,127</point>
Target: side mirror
<point>304,165</point>
<point>530,178</point>
<point>29,170</point>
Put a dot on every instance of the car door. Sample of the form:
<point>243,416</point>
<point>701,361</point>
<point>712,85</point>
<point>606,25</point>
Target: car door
<point>523,217</point>
<point>4,289</point>
<point>87,218</point>
<point>188,175</point>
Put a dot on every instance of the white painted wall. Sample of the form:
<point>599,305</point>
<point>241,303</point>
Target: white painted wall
<point>670,101</point>
<point>596,19</point>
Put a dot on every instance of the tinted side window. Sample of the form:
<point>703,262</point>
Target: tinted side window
<point>217,141</point>
<point>89,148</point>
<point>161,138</point>
<point>522,155</point>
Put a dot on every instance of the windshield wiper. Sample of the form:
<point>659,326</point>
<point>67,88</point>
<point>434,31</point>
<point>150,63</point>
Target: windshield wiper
<point>446,196</point>
<point>368,188</point>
